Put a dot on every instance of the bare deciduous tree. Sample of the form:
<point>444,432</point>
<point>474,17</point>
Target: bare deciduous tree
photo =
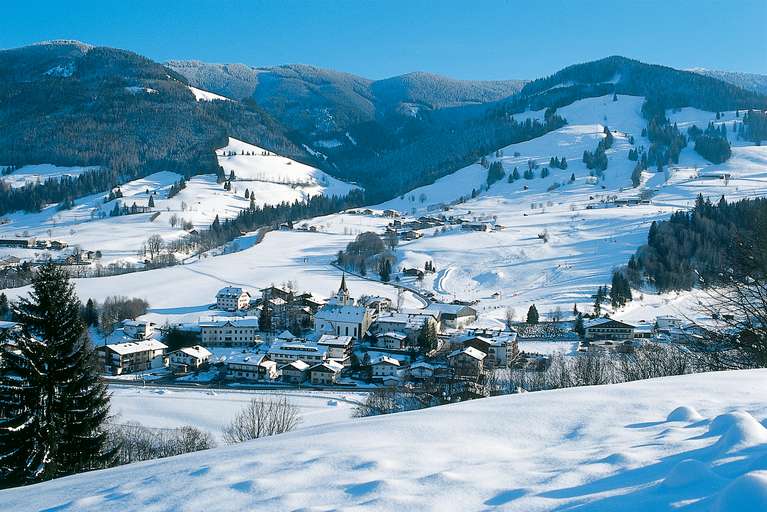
<point>262,417</point>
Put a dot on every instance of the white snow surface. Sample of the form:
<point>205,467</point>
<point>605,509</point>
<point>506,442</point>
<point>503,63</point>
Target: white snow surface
<point>593,449</point>
<point>201,95</point>
<point>213,409</point>
<point>33,174</point>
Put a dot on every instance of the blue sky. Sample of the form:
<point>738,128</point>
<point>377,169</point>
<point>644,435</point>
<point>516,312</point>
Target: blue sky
<point>472,39</point>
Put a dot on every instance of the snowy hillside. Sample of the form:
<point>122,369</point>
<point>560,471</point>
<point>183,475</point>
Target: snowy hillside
<point>690,443</point>
<point>587,237</point>
<point>272,179</point>
<point>34,174</point>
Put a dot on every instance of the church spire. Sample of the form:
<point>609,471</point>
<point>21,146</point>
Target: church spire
<point>343,287</point>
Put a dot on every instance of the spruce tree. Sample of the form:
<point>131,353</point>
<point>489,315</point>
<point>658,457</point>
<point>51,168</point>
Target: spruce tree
<point>532,315</point>
<point>52,404</point>
<point>151,201</point>
<point>4,308</point>
<point>265,319</point>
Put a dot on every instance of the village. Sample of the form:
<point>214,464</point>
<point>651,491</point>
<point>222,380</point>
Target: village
<point>281,338</point>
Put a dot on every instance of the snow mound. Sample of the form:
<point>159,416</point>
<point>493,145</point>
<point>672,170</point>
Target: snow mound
<point>747,492</point>
<point>689,472</point>
<point>684,413</point>
<point>738,430</point>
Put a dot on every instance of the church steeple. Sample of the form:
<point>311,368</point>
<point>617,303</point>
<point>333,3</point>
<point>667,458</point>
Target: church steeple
<point>342,297</point>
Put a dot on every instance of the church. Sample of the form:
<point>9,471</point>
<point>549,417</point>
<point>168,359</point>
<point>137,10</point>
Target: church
<point>341,317</point>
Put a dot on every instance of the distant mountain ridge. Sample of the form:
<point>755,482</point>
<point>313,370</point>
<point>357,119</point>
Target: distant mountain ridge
<point>749,81</point>
<point>70,103</point>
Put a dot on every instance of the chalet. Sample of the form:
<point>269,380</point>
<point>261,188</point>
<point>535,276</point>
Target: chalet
<point>668,322</point>
<point>230,333</point>
<point>132,356</point>
<point>138,329</point>
<point>392,341</point>
<point>421,370</point>
<point>497,348</point>
<point>252,367</point>
<point>295,372</point>
<point>189,358</point>
<point>58,245</point>
<point>9,261</point>
<point>467,362</point>
<point>413,272</point>
<point>391,213</point>
<point>608,329</point>
<point>284,352</point>
<point>376,304</point>
<point>384,366</point>
<point>407,323</point>
<point>232,298</point>
<point>339,348</point>
<point>454,316</point>
<point>325,373</point>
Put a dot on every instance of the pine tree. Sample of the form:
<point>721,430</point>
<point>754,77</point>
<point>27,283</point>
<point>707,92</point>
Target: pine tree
<point>151,201</point>
<point>579,327</point>
<point>532,315</point>
<point>4,308</point>
<point>90,314</point>
<point>385,271</point>
<point>52,404</point>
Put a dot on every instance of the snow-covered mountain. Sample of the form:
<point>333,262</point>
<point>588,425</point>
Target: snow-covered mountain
<point>690,443</point>
<point>751,81</point>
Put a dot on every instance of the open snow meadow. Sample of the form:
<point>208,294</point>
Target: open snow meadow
<point>688,443</point>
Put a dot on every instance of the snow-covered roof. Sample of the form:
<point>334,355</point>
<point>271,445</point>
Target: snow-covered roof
<point>327,367</point>
<point>234,322</point>
<point>4,325</point>
<point>132,347</point>
<point>285,348</point>
<point>197,352</point>
<point>230,291</point>
<point>341,313</point>
<point>136,323</point>
<point>297,365</point>
<point>248,358</point>
<point>469,351</point>
<point>385,360</point>
<point>394,335</point>
<point>451,309</point>
<point>332,340</point>
<point>286,335</point>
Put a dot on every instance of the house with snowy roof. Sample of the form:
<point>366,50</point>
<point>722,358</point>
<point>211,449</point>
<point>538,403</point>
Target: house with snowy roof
<point>340,317</point>
<point>138,329</point>
<point>339,347</point>
<point>325,373</point>
<point>454,316</point>
<point>608,329</point>
<point>232,298</point>
<point>189,358</point>
<point>284,352</point>
<point>251,367</point>
<point>233,332</point>
<point>467,362</point>
<point>295,372</point>
<point>384,366</point>
<point>132,356</point>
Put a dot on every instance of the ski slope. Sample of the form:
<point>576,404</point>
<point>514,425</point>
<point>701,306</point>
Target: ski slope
<point>584,245</point>
<point>690,443</point>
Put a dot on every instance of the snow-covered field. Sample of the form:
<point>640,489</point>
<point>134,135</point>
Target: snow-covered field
<point>184,293</point>
<point>584,245</point>
<point>213,409</point>
<point>690,443</point>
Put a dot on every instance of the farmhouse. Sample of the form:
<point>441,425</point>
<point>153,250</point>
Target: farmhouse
<point>251,367</point>
<point>230,333</point>
<point>132,356</point>
<point>232,298</point>
<point>608,329</point>
<point>467,362</point>
<point>325,373</point>
<point>295,372</point>
<point>138,329</point>
<point>392,341</point>
<point>384,367</point>
<point>189,358</point>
